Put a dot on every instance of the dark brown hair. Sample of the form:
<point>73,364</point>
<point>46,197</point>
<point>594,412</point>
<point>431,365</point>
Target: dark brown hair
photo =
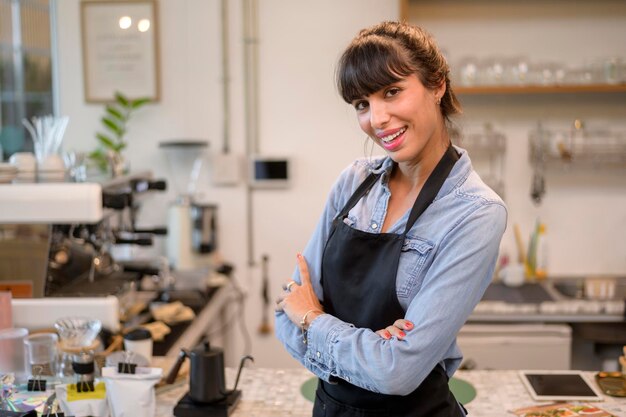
<point>387,52</point>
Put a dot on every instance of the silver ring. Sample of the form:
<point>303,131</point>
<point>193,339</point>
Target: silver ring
<point>288,287</point>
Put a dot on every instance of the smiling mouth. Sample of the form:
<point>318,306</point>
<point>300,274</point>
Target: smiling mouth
<point>389,138</point>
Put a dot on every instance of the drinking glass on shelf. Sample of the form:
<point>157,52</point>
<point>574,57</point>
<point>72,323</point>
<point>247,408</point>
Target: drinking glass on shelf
<point>515,71</point>
<point>467,70</point>
<point>547,73</point>
<point>491,71</point>
<point>579,75</point>
<point>608,70</point>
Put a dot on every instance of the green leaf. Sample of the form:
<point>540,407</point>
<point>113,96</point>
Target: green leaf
<point>106,141</point>
<point>96,154</point>
<point>135,104</point>
<point>121,98</point>
<point>115,113</point>
<point>99,159</point>
<point>119,131</point>
<point>120,146</point>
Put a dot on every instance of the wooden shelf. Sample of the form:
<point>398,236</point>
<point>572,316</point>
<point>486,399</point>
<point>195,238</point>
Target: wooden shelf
<point>540,89</point>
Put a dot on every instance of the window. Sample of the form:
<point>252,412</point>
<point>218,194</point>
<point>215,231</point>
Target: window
<point>26,67</point>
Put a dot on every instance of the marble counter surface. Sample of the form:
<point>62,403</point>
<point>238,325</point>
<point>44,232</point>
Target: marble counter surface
<point>276,393</point>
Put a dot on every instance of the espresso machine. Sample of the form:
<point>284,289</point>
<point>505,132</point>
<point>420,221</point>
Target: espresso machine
<point>54,247</point>
<point>82,258</point>
<point>192,225</point>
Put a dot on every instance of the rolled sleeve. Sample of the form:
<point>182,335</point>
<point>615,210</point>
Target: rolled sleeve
<point>321,337</point>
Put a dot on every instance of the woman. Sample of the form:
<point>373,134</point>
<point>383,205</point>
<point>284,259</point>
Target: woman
<point>405,247</point>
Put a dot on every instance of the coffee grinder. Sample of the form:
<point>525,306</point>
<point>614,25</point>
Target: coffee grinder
<point>192,227</point>
<point>207,396</point>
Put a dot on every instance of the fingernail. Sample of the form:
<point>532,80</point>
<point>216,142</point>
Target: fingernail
<point>402,334</point>
<point>387,335</point>
<point>409,324</point>
<point>299,255</point>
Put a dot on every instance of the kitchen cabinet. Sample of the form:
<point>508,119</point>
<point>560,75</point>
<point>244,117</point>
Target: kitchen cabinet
<point>524,346</point>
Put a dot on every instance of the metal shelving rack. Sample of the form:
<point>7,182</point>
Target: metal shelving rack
<point>489,146</point>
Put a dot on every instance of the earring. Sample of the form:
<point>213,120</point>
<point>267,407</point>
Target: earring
<point>438,100</point>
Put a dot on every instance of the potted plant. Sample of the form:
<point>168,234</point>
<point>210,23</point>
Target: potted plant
<point>112,143</point>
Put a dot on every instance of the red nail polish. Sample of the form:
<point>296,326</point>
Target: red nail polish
<point>387,335</point>
<point>409,325</point>
<point>402,334</point>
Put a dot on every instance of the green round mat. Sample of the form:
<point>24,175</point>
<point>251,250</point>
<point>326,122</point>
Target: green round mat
<point>463,391</point>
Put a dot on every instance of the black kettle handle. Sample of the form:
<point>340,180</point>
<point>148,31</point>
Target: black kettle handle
<point>241,363</point>
<point>171,377</point>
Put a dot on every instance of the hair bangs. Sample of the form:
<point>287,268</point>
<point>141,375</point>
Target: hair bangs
<point>370,65</point>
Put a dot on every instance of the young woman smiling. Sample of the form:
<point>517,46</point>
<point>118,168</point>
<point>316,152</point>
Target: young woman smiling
<point>405,247</point>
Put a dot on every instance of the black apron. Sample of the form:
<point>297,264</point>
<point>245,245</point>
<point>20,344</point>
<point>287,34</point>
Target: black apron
<point>359,282</point>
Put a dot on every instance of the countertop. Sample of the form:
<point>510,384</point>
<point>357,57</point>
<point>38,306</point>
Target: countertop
<point>276,393</point>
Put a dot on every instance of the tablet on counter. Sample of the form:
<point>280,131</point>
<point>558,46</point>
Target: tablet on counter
<point>559,386</point>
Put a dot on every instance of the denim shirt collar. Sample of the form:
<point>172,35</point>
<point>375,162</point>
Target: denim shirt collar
<point>459,173</point>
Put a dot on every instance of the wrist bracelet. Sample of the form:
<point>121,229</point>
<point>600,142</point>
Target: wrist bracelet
<point>303,323</point>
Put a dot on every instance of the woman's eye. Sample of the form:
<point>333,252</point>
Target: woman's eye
<point>360,105</point>
<point>392,92</point>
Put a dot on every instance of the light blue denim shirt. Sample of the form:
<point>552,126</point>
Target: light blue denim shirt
<point>447,261</point>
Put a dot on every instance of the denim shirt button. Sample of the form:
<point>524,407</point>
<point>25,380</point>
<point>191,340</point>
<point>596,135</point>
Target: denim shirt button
<point>318,354</point>
<point>374,226</point>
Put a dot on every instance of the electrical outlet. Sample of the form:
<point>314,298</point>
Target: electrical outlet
<point>226,169</point>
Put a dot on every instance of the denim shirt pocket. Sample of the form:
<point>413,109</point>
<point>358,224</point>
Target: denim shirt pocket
<point>415,252</point>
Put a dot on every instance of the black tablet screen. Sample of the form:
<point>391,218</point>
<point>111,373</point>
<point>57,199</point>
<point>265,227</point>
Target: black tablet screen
<point>560,385</point>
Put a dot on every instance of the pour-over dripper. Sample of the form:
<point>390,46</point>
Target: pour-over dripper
<point>78,342</point>
<point>185,159</point>
<point>77,332</point>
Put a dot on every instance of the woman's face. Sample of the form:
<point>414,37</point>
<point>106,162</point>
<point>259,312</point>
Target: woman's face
<point>403,118</point>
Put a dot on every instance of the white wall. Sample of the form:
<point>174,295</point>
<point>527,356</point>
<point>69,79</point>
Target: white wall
<point>301,116</point>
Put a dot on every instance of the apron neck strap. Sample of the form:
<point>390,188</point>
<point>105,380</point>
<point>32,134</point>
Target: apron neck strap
<point>360,192</point>
<point>432,186</point>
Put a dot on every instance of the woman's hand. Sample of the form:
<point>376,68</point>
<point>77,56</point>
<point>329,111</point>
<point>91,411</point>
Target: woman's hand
<point>296,300</point>
<point>397,329</point>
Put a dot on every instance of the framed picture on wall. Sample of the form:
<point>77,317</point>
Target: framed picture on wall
<point>120,49</point>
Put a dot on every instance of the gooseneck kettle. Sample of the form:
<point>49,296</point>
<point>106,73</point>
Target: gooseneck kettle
<point>207,383</point>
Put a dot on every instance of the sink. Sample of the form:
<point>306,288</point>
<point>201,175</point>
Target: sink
<point>524,294</point>
<point>570,289</point>
<point>591,288</point>
<point>559,289</point>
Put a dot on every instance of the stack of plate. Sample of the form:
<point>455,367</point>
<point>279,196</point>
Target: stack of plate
<point>8,172</point>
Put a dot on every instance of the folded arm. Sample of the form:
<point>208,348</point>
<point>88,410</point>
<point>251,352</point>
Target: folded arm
<point>460,272</point>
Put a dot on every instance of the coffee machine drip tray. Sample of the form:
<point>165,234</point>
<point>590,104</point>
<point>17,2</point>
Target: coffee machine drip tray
<point>116,283</point>
<point>186,407</point>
